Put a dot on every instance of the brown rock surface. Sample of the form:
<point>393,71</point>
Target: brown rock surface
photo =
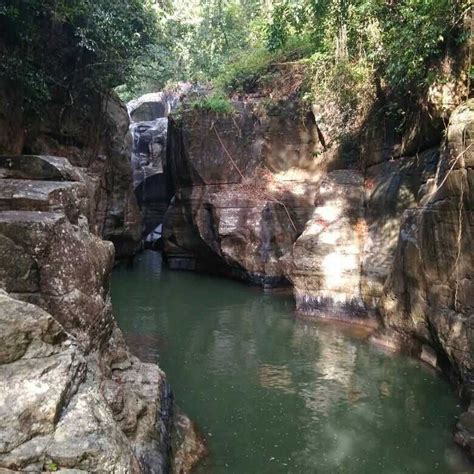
<point>238,205</point>
<point>429,294</point>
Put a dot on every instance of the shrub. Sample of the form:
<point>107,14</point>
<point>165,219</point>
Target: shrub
<point>215,103</point>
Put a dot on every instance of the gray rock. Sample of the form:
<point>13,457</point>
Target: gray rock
<point>78,399</point>
<point>104,153</point>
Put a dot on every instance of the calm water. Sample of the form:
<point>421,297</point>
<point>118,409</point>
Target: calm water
<point>276,395</point>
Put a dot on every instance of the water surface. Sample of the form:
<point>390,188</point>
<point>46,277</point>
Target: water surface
<point>273,394</point>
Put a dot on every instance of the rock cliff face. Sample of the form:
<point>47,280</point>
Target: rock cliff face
<point>240,202</point>
<point>260,195</point>
<point>149,128</point>
<point>428,299</point>
<point>94,136</point>
<point>338,266</point>
<point>73,396</point>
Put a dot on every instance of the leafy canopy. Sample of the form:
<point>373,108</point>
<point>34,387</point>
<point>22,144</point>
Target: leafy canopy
<point>50,47</point>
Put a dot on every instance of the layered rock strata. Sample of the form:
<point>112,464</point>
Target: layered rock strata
<point>73,397</point>
<point>94,136</point>
<point>428,300</point>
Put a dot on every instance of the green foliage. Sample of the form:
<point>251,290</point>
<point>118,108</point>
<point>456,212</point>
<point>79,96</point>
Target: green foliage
<point>63,47</point>
<point>66,47</point>
<point>254,69</point>
<point>348,85</point>
<point>214,103</point>
<point>196,41</point>
<point>414,33</point>
<point>401,39</point>
<point>52,466</point>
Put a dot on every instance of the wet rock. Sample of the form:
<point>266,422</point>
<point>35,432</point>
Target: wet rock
<point>464,434</point>
<point>158,104</point>
<point>150,106</point>
<point>149,148</point>
<point>190,445</point>
<point>150,182</point>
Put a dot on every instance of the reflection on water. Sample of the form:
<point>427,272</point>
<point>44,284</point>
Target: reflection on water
<point>276,395</point>
<point>277,377</point>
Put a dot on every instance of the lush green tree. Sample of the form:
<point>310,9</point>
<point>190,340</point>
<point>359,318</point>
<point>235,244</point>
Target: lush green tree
<point>66,47</point>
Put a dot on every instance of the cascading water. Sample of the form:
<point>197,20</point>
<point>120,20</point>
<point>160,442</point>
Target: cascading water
<point>148,160</point>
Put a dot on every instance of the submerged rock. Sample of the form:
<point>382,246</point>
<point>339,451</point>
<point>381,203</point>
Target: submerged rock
<point>190,446</point>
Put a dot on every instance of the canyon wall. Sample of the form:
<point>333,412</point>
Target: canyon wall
<point>427,306</point>
<point>73,396</point>
<point>244,188</point>
<point>94,136</point>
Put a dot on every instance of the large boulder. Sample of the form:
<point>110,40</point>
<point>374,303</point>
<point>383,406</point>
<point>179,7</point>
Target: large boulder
<point>324,265</point>
<point>150,107</point>
<point>160,104</point>
<point>51,416</point>
<point>240,202</point>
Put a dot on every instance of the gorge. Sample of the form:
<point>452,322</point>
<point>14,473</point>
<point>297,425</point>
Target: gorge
<point>288,234</point>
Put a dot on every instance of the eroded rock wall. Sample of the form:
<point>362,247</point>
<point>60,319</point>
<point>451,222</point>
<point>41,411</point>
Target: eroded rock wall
<point>260,195</point>
<point>338,266</point>
<point>93,135</point>
<point>73,396</point>
<point>242,194</point>
<point>428,300</point>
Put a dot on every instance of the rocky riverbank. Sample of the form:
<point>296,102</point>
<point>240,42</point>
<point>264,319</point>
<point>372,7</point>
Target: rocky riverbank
<point>74,396</point>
